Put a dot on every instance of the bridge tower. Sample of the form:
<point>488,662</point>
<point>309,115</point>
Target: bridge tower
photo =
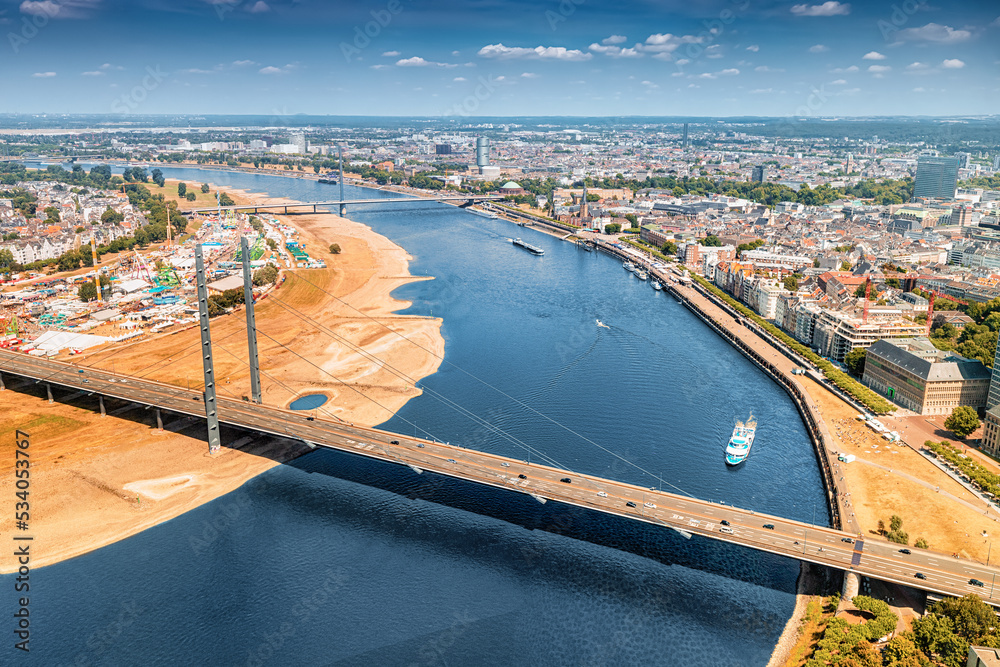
<point>251,322</point>
<point>211,409</point>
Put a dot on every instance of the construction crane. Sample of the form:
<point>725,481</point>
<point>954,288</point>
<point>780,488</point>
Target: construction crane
<point>930,316</point>
<point>868,292</point>
<point>97,271</point>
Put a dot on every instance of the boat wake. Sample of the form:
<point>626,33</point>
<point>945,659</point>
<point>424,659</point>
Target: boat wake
<point>602,324</point>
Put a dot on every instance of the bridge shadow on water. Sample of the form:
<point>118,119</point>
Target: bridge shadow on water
<point>657,543</point>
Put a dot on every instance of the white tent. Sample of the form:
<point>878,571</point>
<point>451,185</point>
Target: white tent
<point>54,341</point>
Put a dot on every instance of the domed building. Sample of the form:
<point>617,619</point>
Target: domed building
<point>511,188</point>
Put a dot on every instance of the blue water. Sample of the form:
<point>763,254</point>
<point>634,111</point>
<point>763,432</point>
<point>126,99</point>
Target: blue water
<point>309,402</point>
<point>337,560</point>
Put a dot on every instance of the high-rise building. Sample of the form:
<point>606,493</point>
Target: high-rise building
<point>482,153</point>
<point>685,142</point>
<point>996,163</point>
<point>299,140</point>
<point>759,174</point>
<point>963,160</point>
<point>442,149</point>
<point>936,178</point>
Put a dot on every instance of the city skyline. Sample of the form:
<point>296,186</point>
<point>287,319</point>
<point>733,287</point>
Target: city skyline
<point>730,58</point>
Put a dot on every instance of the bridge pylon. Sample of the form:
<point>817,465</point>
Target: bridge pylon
<point>211,409</point>
<point>251,322</point>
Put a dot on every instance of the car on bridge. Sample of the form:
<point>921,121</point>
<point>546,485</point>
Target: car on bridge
<point>602,494</point>
<point>976,582</point>
<point>566,480</point>
<point>727,530</point>
<point>905,551</point>
<point>847,539</point>
<point>769,526</point>
<point>394,442</point>
<point>724,522</point>
<point>920,575</point>
<point>630,504</point>
<point>649,505</point>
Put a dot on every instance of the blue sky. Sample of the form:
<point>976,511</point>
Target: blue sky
<point>491,57</point>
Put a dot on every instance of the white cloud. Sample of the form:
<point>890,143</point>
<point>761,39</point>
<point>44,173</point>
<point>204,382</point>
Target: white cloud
<point>459,78</point>
<point>878,71</point>
<point>93,73</point>
<point>934,32</point>
<point>615,51</point>
<point>838,82</point>
<point>845,70</point>
<point>667,43</point>
<point>59,9</point>
<point>693,85</point>
<point>873,55</point>
<point>818,48</point>
<point>502,52</point>
<point>649,84</point>
<point>43,75</point>
<point>270,69</point>
<point>706,75</point>
<point>391,54</point>
<point>379,67</point>
<point>830,8</point>
<point>244,63</point>
<point>528,75</point>
<point>919,89</point>
<point>614,39</point>
<point>417,61</point>
<point>765,68</point>
<point>732,71</point>
<point>683,61</point>
<point>753,47</point>
<point>952,63</point>
<point>259,7</point>
<point>761,91</point>
<point>996,22</point>
<point>913,67</point>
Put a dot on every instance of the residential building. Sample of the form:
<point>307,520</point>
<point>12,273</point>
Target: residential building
<point>759,174</point>
<point>915,375</point>
<point>836,333</point>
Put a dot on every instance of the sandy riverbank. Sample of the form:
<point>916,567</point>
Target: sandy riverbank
<point>98,480</point>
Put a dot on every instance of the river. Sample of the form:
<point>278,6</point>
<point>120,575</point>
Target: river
<point>335,560</point>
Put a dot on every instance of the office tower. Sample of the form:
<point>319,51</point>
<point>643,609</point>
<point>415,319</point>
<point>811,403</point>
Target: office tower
<point>759,174</point>
<point>936,177</point>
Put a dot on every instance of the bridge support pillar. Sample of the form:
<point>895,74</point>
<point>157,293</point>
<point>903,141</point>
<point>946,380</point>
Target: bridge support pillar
<point>852,583</point>
<point>251,322</point>
<point>100,399</point>
<point>159,421</point>
<point>48,390</point>
<point>211,409</point>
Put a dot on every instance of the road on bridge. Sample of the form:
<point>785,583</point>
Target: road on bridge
<point>817,544</point>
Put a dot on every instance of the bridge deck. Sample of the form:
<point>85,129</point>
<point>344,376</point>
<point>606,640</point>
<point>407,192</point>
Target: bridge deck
<point>794,539</point>
<point>338,202</point>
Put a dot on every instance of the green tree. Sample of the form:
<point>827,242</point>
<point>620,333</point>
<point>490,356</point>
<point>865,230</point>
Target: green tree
<point>112,217</point>
<point>962,421</point>
<point>895,522</point>
<point>204,188</point>
<point>190,196</point>
<point>334,248</point>
<point>265,275</point>
<point>711,241</point>
<point>845,266</point>
<point>225,199</point>
<point>87,291</point>
<point>921,543</point>
<point>669,248</point>
<point>855,361</point>
<point>612,228</point>
<point>182,189</point>
<point>52,215</point>
<point>791,283</point>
